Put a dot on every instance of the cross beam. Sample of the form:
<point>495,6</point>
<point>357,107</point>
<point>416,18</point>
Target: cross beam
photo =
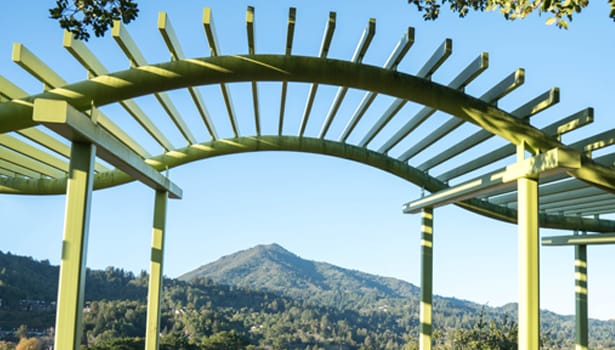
<point>554,161</point>
<point>70,123</point>
<point>602,238</point>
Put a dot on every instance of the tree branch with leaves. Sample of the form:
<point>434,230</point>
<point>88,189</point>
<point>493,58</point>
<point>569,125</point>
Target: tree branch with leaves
<point>562,11</point>
<point>81,16</point>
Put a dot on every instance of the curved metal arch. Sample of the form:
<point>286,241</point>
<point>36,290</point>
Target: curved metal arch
<point>145,80</point>
<point>361,155</point>
<point>172,75</point>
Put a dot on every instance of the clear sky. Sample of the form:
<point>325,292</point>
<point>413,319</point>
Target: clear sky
<point>323,208</point>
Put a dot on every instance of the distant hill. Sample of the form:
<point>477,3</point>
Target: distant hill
<point>267,295</point>
<point>273,268</point>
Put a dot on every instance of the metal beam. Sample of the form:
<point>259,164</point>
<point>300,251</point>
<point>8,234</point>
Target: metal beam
<point>324,51</point>
<point>466,76</point>
<point>130,49</point>
<point>569,204</point>
<point>212,149</point>
<point>553,161</point>
<point>357,57</point>
<point>556,129</point>
<point>214,70</point>
<point>42,72</point>
<point>212,40</point>
<point>589,239</point>
<point>501,89</point>
<point>89,61</point>
<point>29,163</point>
<point>154,293</point>
<point>526,111</point>
<point>252,51</point>
<point>400,50</point>
<point>595,211</point>
<point>177,53</point>
<point>32,152</point>
<point>443,52</point>
<point>290,34</point>
<point>62,118</point>
<point>71,285</point>
<point>16,169</point>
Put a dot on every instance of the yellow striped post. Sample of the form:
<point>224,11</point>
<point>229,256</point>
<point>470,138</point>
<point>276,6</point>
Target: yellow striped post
<point>426,278</point>
<point>580,276</point>
<point>152,333</point>
<point>71,287</point>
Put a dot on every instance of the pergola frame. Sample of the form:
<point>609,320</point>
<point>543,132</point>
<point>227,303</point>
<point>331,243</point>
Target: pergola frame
<point>44,165</point>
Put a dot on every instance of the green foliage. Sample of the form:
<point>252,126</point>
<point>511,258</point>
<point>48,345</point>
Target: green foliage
<point>224,341</point>
<point>561,10</point>
<point>120,343</point>
<point>371,313</point>
<point>28,344</point>
<point>81,16</point>
<point>491,335</point>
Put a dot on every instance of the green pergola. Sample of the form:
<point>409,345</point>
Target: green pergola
<point>53,143</point>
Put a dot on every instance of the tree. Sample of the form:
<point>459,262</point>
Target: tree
<point>562,10</point>
<point>21,332</point>
<point>79,16</point>
<point>28,344</point>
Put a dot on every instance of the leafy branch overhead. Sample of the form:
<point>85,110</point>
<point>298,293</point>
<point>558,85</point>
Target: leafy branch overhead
<point>561,10</point>
<point>81,16</point>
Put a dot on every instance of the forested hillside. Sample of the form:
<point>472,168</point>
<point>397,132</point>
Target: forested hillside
<point>375,312</point>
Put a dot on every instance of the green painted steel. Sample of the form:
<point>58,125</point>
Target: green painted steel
<point>152,331</point>
<point>368,157</point>
<point>151,79</point>
<point>591,239</point>
<point>60,117</point>
<point>71,287</point>
<point>528,251</point>
<point>425,317</point>
<point>581,316</point>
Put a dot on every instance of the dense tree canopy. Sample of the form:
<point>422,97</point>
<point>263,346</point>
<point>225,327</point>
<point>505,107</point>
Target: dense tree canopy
<point>81,16</point>
<point>561,11</point>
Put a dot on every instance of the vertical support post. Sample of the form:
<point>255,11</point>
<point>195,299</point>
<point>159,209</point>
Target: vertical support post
<point>529,292</point>
<point>152,333</point>
<point>580,276</point>
<point>426,279</point>
<point>71,285</point>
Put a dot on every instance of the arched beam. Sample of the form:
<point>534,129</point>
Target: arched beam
<point>365,156</point>
<point>144,80</point>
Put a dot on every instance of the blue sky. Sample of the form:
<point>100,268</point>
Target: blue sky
<point>318,207</point>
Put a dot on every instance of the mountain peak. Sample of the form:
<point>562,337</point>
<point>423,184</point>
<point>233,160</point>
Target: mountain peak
<point>273,268</point>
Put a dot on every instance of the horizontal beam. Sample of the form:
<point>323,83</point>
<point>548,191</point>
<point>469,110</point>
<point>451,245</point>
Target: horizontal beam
<point>593,239</point>
<point>68,122</point>
<point>555,160</point>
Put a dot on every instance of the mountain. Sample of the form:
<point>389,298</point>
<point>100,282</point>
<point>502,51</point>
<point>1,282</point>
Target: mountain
<point>273,268</point>
<point>270,299</point>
